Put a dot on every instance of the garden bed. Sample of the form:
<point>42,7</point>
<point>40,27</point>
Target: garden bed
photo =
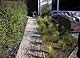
<point>58,43</point>
<point>64,53</point>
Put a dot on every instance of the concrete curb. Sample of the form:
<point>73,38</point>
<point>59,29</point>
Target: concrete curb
<point>74,53</point>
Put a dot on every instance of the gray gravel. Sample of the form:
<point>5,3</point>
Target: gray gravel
<point>31,45</point>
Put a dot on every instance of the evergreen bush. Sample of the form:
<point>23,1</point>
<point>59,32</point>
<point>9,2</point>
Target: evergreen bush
<point>13,18</point>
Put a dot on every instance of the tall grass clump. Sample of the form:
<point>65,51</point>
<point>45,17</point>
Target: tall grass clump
<point>49,34</point>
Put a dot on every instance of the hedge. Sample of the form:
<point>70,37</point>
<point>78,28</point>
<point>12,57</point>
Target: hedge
<point>13,17</point>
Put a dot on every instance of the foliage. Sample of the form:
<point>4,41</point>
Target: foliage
<point>12,23</point>
<point>50,35</point>
<point>70,40</point>
<point>65,35</point>
<point>62,44</point>
<point>48,30</point>
<point>45,9</point>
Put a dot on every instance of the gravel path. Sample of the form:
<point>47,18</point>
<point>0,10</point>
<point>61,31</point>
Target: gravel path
<point>31,45</point>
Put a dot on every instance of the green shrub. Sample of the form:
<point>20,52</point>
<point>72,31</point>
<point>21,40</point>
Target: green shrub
<point>13,18</point>
<point>70,40</point>
<point>45,9</point>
